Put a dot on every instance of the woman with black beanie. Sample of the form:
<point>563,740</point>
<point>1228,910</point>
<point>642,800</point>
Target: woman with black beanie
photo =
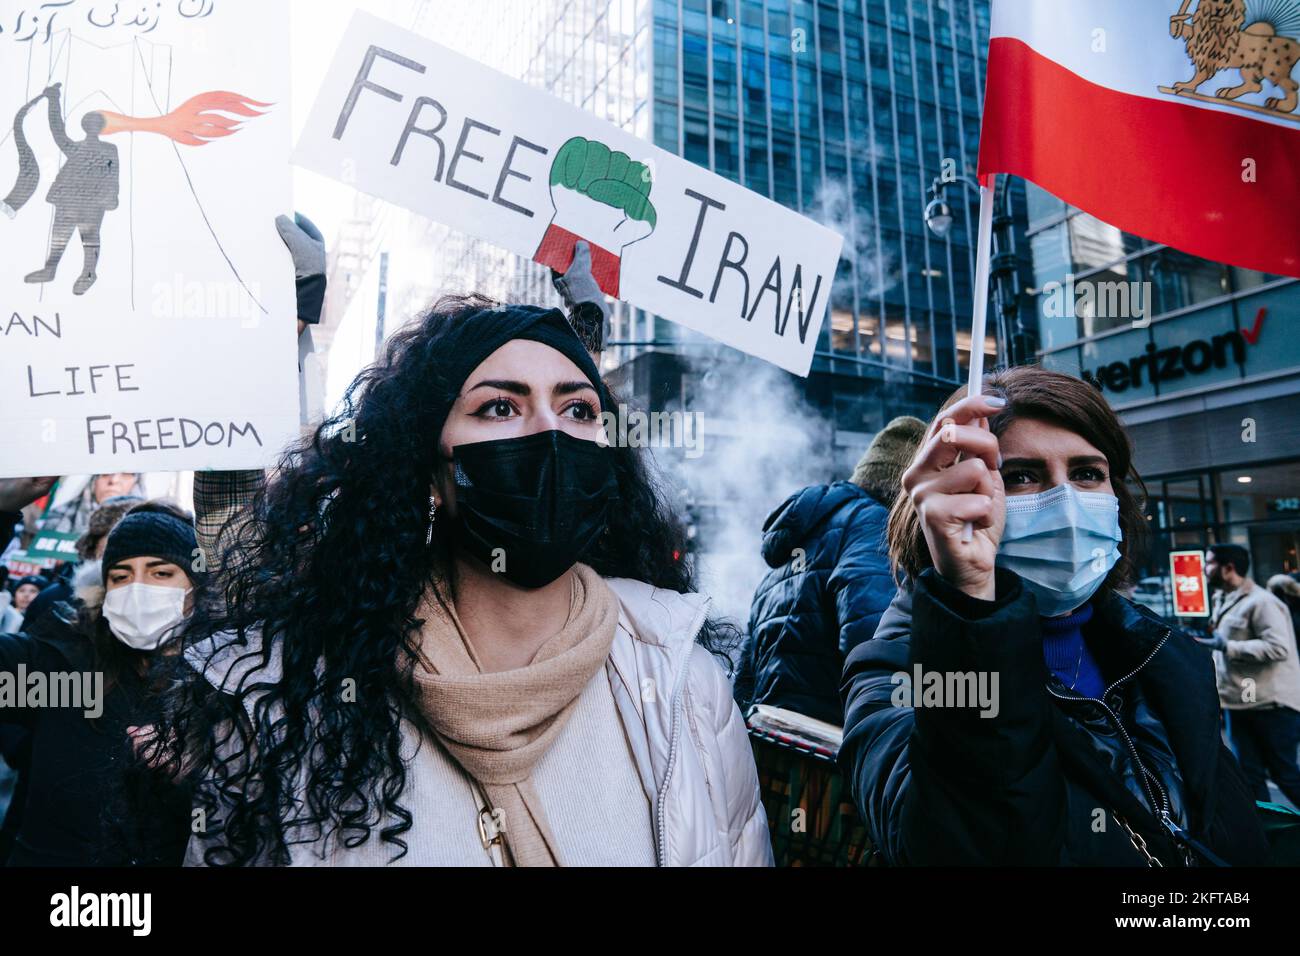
<point>81,682</point>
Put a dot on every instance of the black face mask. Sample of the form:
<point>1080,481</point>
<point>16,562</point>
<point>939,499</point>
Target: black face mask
<point>536,502</point>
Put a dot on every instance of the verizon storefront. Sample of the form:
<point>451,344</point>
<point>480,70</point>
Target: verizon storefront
<point>1211,396</point>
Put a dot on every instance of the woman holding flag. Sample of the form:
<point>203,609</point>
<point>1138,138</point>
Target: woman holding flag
<point>1100,743</point>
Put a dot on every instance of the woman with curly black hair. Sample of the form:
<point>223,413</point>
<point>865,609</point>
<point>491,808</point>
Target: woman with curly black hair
<point>455,629</point>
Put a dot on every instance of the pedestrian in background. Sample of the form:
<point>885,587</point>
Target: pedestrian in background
<point>15,495</point>
<point>1287,590</point>
<point>1254,648</point>
<point>26,590</point>
<point>84,578</point>
<point>830,580</point>
<point>74,515</point>
<point>90,546</point>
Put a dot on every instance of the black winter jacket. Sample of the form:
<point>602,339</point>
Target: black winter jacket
<point>76,799</point>
<point>1048,779</point>
<point>817,605</point>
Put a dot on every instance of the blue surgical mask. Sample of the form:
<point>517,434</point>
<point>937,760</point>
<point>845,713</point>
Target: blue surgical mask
<point>1062,543</point>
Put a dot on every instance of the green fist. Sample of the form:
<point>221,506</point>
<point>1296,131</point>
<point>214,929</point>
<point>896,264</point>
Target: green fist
<point>609,177</point>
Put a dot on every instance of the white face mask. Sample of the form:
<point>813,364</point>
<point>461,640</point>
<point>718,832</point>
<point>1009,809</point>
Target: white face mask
<point>1062,543</point>
<point>141,615</point>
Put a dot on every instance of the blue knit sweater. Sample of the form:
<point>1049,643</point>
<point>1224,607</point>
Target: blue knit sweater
<point>1067,654</point>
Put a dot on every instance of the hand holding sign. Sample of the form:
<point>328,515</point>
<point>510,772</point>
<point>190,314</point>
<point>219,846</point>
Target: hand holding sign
<point>583,298</point>
<point>18,493</point>
<point>602,196</point>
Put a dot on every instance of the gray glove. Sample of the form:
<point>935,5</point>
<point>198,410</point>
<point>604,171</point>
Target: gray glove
<point>578,284</point>
<point>586,304</point>
<point>307,247</point>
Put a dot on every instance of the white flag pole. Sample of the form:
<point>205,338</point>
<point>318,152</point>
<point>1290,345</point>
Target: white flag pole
<point>979,319</point>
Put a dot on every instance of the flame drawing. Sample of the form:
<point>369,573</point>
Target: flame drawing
<point>195,122</point>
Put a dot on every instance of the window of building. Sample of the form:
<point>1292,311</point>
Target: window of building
<point>724,77</point>
<point>696,144</point>
<point>896,344</point>
<point>841,320</point>
<point>1093,243</point>
<point>782,92</point>
<point>1179,280</point>
<point>1044,208</point>
<point>695,66</point>
<point>725,148</point>
<point>756,177</point>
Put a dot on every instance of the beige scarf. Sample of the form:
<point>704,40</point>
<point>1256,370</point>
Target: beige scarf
<point>497,726</point>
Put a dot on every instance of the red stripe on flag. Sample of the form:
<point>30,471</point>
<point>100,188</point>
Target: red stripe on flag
<point>1166,171</point>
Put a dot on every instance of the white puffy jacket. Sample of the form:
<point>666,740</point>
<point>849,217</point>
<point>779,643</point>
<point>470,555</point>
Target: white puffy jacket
<point>686,733</point>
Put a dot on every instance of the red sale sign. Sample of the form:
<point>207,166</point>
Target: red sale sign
<point>1187,568</point>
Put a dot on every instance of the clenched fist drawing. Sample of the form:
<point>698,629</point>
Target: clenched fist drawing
<point>602,196</point>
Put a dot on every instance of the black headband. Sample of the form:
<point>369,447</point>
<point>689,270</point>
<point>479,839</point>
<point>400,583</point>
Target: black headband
<point>473,337</point>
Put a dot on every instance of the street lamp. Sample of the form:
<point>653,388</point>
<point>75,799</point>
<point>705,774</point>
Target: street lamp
<point>1003,268</point>
<point>938,216</point>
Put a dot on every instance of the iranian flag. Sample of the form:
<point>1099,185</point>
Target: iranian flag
<point>1176,120</point>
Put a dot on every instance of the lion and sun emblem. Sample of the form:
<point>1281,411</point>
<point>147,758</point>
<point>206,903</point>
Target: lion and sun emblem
<point>1260,38</point>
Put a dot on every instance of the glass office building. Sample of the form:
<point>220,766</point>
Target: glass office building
<point>1204,368</point>
<point>844,111</point>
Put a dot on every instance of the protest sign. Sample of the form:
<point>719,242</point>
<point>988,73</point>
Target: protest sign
<point>54,545</point>
<point>1187,569</point>
<point>146,300</point>
<point>408,120</point>
<point>21,564</point>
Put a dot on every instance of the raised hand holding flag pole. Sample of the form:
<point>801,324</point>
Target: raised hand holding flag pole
<point>979,320</point>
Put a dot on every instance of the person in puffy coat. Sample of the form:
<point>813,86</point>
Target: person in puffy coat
<point>1014,708</point>
<point>830,580</point>
<point>519,672</point>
